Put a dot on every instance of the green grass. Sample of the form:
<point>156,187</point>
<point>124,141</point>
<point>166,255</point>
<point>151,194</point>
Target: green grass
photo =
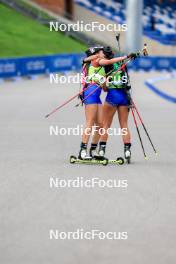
<point>22,36</point>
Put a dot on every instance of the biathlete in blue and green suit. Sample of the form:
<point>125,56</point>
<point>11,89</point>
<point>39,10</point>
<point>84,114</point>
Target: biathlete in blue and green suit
<point>117,100</point>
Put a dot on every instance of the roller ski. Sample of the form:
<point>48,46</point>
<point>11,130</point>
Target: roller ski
<point>127,152</point>
<point>89,160</point>
<point>101,154</point>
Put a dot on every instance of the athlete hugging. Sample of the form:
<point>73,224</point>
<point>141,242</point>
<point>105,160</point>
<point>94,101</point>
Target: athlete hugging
<point>99,64</point>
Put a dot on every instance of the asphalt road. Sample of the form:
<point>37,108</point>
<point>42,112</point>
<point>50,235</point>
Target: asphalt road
<point>30,208</point>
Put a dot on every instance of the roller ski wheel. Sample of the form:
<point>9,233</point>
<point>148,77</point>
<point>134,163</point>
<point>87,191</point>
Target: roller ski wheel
<point>73,159</point>
<point>118,161</point>
<point>105,162</point>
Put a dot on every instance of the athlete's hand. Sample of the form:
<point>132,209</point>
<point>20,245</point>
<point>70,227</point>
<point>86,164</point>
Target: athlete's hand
<point>132,56</point>
<point>80,96</point>
<point>104,87</point>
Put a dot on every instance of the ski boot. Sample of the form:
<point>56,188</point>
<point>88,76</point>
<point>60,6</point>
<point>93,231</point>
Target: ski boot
<point>127,152</point>
<point>93,151</point>
<point>102,149</point>
<point>83,155</point>
<point>96,155</point>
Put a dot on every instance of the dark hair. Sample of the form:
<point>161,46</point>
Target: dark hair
<point>108,52</point>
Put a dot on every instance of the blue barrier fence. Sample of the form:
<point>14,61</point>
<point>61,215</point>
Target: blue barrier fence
<point>19,67</point>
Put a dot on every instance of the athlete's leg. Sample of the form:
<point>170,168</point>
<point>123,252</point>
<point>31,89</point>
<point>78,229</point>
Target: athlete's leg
<point>108,113</point>
<point>123,114</point>
<point>90,114</point>
<point>96,135</point>
<point>91,110</point>
<point>98,124</point>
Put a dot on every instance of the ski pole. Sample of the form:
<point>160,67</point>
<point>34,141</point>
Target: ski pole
<point>145,129</point>
<point>68,101</point>
<point>62,105</point>
<point>65,103</point>
<point>138,133</point>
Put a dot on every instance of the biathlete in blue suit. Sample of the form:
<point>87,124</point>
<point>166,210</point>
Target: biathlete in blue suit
<point>91,97</point>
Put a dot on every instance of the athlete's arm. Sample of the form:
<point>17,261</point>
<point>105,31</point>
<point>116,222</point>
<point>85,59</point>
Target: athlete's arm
<point>104,62</point>
<point>90,58</point>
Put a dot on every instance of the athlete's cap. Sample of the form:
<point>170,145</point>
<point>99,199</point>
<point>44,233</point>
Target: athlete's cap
<point>93,50</point>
